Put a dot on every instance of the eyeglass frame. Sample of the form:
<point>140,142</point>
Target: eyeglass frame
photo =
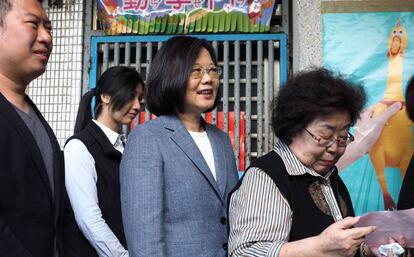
<point>350,138</point>
<point>208,71</point>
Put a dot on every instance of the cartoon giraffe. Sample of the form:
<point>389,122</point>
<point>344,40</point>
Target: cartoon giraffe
<point>394,146</point>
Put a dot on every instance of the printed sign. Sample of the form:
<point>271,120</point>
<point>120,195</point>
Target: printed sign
<point>184,16</point>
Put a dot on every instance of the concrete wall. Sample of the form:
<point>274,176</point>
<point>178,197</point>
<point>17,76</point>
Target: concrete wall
<point>306,34</point>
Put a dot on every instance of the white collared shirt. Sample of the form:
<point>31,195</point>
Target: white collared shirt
<point>80,181</point>
<point>113,137</point>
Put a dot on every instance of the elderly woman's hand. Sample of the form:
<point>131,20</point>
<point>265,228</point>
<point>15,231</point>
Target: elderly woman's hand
<point>342,239</point>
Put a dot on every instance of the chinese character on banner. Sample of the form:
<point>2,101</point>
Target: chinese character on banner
<point>155,3</point>
<point>135,5</point>
<point>198,3</point>
<point>177,4</point>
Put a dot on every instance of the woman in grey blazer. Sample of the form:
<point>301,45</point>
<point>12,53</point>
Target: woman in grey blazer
<point>177,170</point>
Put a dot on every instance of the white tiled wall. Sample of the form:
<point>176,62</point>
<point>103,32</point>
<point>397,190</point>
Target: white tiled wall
<point>57,92</point>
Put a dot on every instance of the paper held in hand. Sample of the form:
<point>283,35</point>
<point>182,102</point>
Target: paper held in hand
<point>389,224</point>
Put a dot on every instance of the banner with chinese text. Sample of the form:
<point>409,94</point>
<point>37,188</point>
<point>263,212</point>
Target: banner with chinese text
<point>184,16</point>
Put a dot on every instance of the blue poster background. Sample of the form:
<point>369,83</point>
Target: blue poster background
<point>356,44</point>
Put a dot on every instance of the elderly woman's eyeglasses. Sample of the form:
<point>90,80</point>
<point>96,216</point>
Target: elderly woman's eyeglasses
<point>198,72</point>
<point>327,142</point>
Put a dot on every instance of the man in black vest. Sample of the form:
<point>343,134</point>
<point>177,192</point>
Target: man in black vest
<point>32,192</point>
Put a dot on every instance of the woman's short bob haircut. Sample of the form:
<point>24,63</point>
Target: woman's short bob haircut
<point>409,98</point>
<point>118,82</point>
<point>311,94</point>
<point>169,74</point>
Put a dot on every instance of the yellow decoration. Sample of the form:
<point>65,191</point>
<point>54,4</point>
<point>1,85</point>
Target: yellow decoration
<point>394,147</point>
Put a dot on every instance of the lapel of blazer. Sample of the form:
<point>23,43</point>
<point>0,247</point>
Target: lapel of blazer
<point>185,142</point>
<point>219,160</point>
<point>8,110</point>
<point>58,180</point>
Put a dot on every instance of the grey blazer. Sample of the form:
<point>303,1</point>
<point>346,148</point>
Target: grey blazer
<point>172,206</point>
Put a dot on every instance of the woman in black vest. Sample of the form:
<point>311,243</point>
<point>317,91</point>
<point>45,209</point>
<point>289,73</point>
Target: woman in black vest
<point>291,201</point>
<point>92,158</point>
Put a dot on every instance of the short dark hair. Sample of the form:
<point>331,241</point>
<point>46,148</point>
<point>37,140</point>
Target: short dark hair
<point>5,7</point>
<point>170,71</point>
<point>409,98</point>
<point>119,82</point>
<point>311,94</point>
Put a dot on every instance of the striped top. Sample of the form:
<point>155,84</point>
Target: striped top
<point>260,217</point>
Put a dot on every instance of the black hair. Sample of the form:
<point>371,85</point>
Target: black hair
<point>169,74</point>
<point>409,98</point>
<point>311,94</point>
<point>119,83</point>
<point>5,7</point>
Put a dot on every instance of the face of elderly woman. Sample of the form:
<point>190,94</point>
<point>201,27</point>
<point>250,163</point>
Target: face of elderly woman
<point>307,149</point>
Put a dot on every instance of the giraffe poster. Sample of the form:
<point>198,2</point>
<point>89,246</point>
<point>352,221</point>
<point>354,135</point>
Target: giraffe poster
<point>375,49</point>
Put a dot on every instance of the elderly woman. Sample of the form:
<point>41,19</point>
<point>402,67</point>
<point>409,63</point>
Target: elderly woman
<point>291,202</point>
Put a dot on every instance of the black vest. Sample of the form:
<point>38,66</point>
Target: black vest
<point>107,160</point>
<point>307,220</point>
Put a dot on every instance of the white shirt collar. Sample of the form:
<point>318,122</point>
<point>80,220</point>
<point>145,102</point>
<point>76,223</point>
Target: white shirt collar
<point>109,133</point>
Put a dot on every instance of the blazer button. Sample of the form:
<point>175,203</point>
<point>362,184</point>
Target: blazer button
<point>225,246</point>
<point>223,220</point>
